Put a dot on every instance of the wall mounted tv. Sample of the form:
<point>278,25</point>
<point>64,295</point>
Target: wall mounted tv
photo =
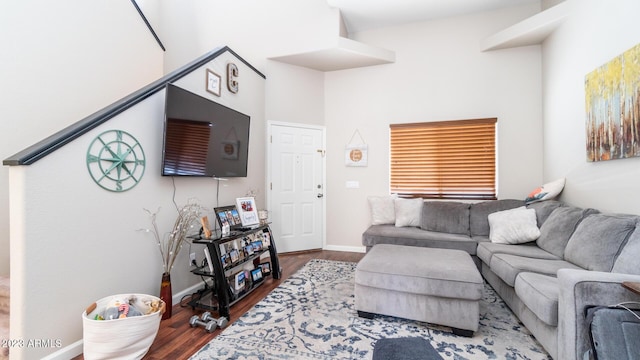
<point>202,137</point>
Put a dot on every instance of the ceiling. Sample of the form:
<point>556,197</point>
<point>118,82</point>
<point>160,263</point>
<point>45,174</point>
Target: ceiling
<point>361,15</point>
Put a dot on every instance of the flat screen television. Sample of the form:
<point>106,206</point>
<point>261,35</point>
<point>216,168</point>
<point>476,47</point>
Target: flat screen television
<point>202,137</point>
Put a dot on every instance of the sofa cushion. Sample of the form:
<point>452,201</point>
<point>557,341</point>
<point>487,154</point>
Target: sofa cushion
<point>540,294</point>
<point>507,267</point>
<point>598,239</point>
<point>408,212</point>
<point>382,209</point>
<point>544,209</point>
<point>557,229</point>
<point>479,214</point>
<point>513,226</point>
<point>410,236</point>
<point>627,262</point>
<point>446,216</point>
<point>487,249</point>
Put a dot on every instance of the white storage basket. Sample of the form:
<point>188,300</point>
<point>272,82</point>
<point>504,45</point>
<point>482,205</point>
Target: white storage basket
<point>128,338</point>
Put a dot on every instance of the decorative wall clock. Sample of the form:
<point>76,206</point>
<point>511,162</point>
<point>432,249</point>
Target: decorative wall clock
<point>115,160</point>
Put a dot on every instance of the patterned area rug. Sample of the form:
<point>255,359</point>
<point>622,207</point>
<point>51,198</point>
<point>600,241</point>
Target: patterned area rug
<point>311,315</point>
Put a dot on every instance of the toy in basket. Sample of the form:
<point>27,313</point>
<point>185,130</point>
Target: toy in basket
<point>121,326</point>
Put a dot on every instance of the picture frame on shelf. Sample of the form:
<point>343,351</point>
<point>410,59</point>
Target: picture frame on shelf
<point>239,281</point>
<point>266,268</point>
<point>256,275</point>
<point>248,211</point>
<point>266,239</point>
<point>234,255</point>
<point>225,260</point>
<point>257,246</point>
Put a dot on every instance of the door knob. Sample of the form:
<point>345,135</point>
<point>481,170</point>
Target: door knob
<point>320,196</point>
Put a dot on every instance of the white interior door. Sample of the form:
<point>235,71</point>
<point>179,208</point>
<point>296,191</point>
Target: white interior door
<point>296,186</point>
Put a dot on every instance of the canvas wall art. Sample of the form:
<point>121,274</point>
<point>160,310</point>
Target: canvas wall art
<point>613,108</point>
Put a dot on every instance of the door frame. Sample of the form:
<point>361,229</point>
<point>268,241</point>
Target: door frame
<point>323,162</point>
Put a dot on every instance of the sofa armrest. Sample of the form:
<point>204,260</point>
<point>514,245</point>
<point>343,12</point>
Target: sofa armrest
<point>580,289</point>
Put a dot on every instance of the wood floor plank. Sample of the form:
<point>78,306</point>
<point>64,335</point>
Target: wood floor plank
<point>177,340</point>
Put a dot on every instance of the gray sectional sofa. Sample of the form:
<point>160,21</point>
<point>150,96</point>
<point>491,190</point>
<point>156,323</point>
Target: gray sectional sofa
<point>577,259</point>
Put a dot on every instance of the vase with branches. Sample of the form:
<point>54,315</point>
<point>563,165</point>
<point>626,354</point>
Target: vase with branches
<point>171,243</point>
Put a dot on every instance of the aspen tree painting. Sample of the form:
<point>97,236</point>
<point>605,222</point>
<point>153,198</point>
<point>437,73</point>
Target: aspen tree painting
<point>613,108</point>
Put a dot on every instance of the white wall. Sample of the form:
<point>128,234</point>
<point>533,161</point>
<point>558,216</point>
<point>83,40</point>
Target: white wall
<point>257,29</point>
<point>80,243</point>
<point>594,33</point>
<point>61,61</point>
<point>439,74</point>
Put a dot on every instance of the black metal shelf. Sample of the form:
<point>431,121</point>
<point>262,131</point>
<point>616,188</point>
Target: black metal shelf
<point>221,294</point>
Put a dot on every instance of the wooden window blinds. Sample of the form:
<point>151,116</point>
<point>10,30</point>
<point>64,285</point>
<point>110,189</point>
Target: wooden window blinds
<point>444,159</point>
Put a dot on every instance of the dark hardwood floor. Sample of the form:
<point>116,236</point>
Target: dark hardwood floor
<point>177,340</point>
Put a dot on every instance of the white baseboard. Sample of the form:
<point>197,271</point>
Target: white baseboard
<point>188,291</point>
<point>75,349</point>
<point>358,249</point>
<point>67,352</point>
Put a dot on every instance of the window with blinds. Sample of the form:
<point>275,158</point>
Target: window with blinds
<point>444,160</point>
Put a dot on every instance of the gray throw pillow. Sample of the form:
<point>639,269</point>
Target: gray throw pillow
<point>598,239</point>
<point>557,229</point>
<point>544,209</point>
<point>446,216</point>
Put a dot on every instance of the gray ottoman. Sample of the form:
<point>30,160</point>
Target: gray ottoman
<point>438,286</point>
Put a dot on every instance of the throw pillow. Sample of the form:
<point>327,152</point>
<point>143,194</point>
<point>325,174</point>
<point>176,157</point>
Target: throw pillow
<point>556,231</point>
<point>514,226</point>
<point>382,209</point>
<point>408,212</point>
<point>546,192</point>
<point>446,216</point>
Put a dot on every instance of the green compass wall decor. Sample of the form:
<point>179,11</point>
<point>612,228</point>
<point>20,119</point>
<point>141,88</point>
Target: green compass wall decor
<point>115,160</point>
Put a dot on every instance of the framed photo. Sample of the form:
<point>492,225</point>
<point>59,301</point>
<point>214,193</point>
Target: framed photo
<point>266,268</point>
<point>266,238</point>
<point>213,83</point>
<point>234,255</point>
<point>225,260</point>
<point>247,210</point>
<point>257,245</point>
<point>256,274</point>
<point>239,281</point>
<point>248,250</point>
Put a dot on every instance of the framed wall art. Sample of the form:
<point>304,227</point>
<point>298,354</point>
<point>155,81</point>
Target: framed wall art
<point>613,108</point>
<point>356,154</point>
<point>213,83</point>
